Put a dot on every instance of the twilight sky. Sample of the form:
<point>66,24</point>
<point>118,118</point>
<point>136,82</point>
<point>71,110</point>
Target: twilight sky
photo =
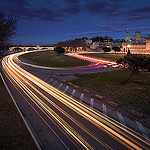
<point>49,21</point>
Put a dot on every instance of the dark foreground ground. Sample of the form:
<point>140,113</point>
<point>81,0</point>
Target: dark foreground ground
<point>13,132</point>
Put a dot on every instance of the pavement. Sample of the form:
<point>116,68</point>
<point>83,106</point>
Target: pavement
<point>54,78</point>
<point>83,97</point>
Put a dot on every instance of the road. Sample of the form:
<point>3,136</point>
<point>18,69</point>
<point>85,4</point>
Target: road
<point>73,124</point>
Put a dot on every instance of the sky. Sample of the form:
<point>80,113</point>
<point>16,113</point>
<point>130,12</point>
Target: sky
<point>45,22</point>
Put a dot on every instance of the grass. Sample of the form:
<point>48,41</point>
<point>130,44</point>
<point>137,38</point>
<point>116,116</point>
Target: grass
<point>107,56</point>
<point>50,58</point>
<point>134,93</point>
<point>13,132</point>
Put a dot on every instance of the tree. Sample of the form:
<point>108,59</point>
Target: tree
<point>8,25</point>
<point>106,49</point>
<point>116,49</point>
<point>84,38</point>
<point>101,39</point>
<point>59,50</point>
<point>73,43</point>
<point>135,63</point>
<point>128,52</point>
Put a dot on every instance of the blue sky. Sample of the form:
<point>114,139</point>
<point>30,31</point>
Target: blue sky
<point>48,21</point>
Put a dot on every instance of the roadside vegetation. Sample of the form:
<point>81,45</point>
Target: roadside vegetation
<point>136,63</point>
<point>13,132</point>
<point>134,94</point>
<point>50,58</point>
<point>8,26</point>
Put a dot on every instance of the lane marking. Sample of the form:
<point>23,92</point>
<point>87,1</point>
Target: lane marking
<point>54,83</point>
<point>120,118</point>
<point>109,147</point>
<point>92,102</point>
<point>60,85</point>
<point>42,76</point>
<point>140,126</point>
<point>50,80</point>
<point>81,97</point>
<point>73,92</point>
<point>45,79</point>
<point>67,87</point>
<point>104,109</point>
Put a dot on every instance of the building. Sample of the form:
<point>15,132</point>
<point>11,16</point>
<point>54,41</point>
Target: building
<point>88,41</point>
<point>94,45</point>
<point>137,45</point>
<point>137,38</point>
<point>137,48</point>
<point>127,37</point>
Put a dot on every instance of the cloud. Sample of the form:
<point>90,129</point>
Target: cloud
<point>140,28</point>
<point>139,13</point>
<point>48,11</point>
<point>141,10</point>
<point>62,10</point>
<point>104,8</point>
<point>111,30</point>
<point>105,27</point>
<point>71,7</point>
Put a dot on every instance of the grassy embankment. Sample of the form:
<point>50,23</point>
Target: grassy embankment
<point>134,94</point>
<point>13,132</point>
<point>50,58</point>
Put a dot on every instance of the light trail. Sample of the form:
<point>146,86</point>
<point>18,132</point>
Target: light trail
<point>95,62</point>
<point>26,82</point>
<point>47,109</point>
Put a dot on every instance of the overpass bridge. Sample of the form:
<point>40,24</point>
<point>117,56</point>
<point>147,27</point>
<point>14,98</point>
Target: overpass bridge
<point>28,48</point>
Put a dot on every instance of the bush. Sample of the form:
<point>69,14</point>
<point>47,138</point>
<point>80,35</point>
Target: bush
<point>116,49</point>
<point>135,63</point>
<point>59,50</point>
<point>128,52</point>
<point>106,49</point>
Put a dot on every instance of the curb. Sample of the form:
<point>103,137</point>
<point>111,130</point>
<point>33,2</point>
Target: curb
<point>99,97</point>
<point>137,114</point>
<point>111,103</point>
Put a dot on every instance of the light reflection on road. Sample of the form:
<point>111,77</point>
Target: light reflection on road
<point>26,82</point>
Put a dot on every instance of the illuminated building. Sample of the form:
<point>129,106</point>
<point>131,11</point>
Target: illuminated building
<point>127,38</point>
<point>137,45</point>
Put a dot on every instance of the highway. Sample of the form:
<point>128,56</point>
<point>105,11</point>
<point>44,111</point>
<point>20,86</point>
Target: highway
<point>77,125</point>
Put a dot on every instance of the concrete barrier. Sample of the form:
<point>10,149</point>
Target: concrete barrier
<point>113,104</point>
<point>87,91</point>
<point>69,83</point>
<point>76,87</point>
<point>137,114</point>
<point>99,97</point>
<point>64,81</point>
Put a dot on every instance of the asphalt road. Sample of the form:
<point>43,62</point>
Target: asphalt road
<point>61,122</point>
